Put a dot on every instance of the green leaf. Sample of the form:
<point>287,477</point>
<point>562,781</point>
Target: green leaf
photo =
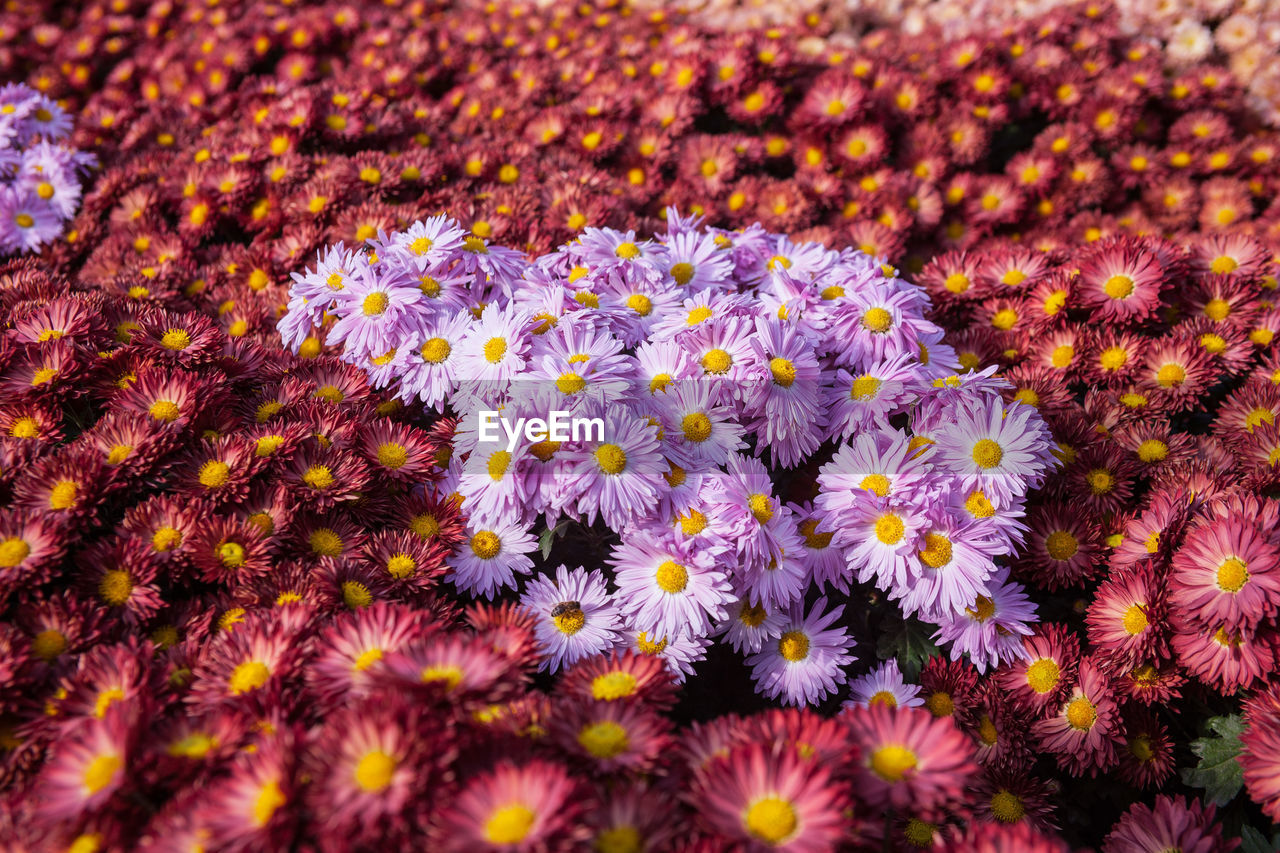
<point>908,643</point>
<point>549,535</point>
<point>1218,772</point>
<point>1253,841</point>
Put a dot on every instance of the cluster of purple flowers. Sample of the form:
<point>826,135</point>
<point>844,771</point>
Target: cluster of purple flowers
<point>39,179</point>
<point>704,366</point>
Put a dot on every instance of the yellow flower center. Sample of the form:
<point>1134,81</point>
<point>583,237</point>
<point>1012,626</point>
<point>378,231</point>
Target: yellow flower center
<point>1043,675</point>
<point>1118,287</point>
<point>793,646</point>
<point>784,372</point>
<point>937,550</point>
<point>374,771</point>
<point>485,544</point>
<point>375,304</point>
<point>864,388</point>
<point>13,551</point>
<point>214,474</point>
<point>1101,481</point>
<point>890,529</point>
<point>356,595</point>
<point>613,685</point>
<point>318,477</point>
<point>1171,375</point>
<point>436,350</point>
<point>1233,574</point>
<point>717,361</point>
<point>401,566</point>
<point>682,273</point>
<point>877,320</point>
<point>1153,450</point>
<point>772,820</point>
<point>761,508</point>
<point>611,458</point>
<point>231,554</point>
<point>101,772</point>
<point>115,587</point>
<point>570,621</point>
<point>268,801</point>
<point>1061,545</point>
<point>672,577</point>
<point>63,495</point>
<point>940,704</point>
<point>893,762</point>
<point>48,644</point>
<point>393,455</point>
<point>509,824</point>
<point>495,349</point>
<point>987,453</point>
<point>1134,620</point>
<point>604,739</point>
<point>248,676</point>
<point>1081,714</point>
<point>1006,807</point>
<point>627,251</point>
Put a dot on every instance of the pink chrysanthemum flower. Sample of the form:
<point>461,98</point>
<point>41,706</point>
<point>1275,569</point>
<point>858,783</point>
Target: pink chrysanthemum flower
<point>909,759</point>
<point>89,764</point>
<point>1002,451</point>
<point>761,798</point>
<point>491,557</point>
<point>513,807</point>
<point>1261,747</point>
<point>1226,572</point>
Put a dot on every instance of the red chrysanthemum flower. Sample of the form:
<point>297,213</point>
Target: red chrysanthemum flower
<point>1126,618</point>
<point>1046,671</point>
<point>1083,731</point>
<point>1171,824</point>
<point>1147,759</point>
<point>611,737</point>
<point>1062,548</point>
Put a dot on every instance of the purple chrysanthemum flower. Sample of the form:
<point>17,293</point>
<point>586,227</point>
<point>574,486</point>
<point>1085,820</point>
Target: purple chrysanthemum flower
<point>666,587</point>
<point>805,664</point>
<point>576,616</point>
<point>884,685</point>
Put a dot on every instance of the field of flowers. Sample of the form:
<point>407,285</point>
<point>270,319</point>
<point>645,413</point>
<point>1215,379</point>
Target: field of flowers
<point>927,491</point>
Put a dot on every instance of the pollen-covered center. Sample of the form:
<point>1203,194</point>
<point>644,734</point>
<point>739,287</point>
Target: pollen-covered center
<point>485,544</point>
<point>611,458</point>
<point>1232,575</point>
<point>1043,675</point>
<point>672,577</point>
<point>890,529</point>
<point>987,453</point>
<point>1081,714</point>
<point>893,762</point>
<point>696,427</point>
<point>375,304</point>
<point>772,820</point>
<point>937,550</point>
<point>1118,287</point>
<point>794,646</point>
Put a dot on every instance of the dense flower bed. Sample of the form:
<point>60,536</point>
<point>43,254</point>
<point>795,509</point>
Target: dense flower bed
<point>237,593</point>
